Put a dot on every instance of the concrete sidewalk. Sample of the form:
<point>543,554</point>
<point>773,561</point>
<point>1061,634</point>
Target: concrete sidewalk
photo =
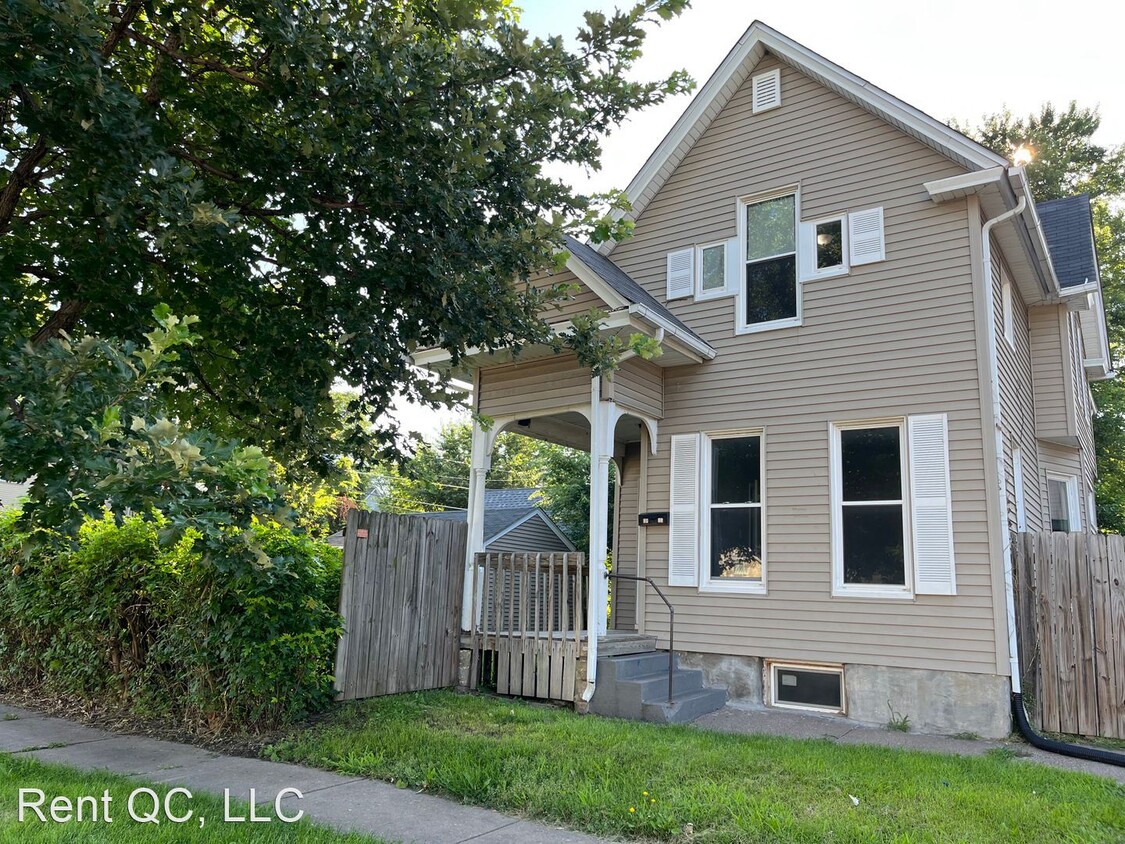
<point>350,804</point>
<point>778,722</point>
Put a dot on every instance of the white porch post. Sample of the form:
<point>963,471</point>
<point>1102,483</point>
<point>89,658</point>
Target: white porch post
<point>480,461</point>
<point>603,415</point>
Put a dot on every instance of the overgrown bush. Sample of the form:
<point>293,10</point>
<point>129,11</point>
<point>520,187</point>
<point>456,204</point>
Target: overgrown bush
<point>125,619</point>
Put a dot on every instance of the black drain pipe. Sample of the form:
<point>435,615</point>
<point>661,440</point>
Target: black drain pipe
<point>1078,751</point>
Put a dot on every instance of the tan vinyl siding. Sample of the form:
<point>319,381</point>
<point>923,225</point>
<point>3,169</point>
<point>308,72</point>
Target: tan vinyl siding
<point>890,339</point>
<point>1049,361</point>
<point>1017,399</point>
<point>625,539</point>
<point>534,535</point>
<point>639,385</point>
<point>526,388</point>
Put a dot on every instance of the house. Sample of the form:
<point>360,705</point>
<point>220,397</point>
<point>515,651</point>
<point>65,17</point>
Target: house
<point>513,521</point>
<point>876,356</point>
<point>11,493</point>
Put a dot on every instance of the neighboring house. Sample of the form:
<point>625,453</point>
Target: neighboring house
<point>11,493</point>
<point>512,522</point>
<point>877,350</point>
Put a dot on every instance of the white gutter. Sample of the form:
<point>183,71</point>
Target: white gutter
<point>1001,469</point>
<point>659,322</point>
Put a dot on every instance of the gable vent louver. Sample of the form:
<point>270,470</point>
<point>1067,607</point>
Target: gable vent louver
<point>767,90</point>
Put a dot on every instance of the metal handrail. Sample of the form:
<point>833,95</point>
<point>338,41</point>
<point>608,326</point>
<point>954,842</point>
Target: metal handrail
<point>671,620</point>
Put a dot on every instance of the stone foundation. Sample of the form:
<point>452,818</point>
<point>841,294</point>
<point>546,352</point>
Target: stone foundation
<point>941,702</point>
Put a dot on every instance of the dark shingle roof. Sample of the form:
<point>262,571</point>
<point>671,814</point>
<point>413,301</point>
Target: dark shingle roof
<point>1069,227</point>
<point>620,281</point>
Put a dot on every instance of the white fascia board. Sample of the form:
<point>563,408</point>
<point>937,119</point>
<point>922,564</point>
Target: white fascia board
<point>659,321</point>
<point>596,283</point>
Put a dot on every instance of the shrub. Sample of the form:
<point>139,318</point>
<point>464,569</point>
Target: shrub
<point>125,620</point>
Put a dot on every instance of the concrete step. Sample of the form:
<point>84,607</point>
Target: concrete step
<point>654,687</point>
<point>619,644</point>
<point>628,666</point>
<point>685,709</point>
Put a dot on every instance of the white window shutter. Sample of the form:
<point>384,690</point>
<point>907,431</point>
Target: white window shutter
<point>931,505</point>
<point>735,266</point>
<point>865,236</point>
<point>683,541</point>
<point>681,273</point>
<point>766,91</point>
<point>806,249</point>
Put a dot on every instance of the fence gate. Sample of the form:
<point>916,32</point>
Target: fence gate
<point>1070,610</point>
<point>531,628</point>
<point>401,603</point>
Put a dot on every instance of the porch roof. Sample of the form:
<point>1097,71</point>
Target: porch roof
<point>623,284</point>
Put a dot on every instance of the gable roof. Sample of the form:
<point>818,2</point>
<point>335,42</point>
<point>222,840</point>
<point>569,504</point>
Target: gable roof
<point>1068,224</point>
<point>504,511</point>
<point>622,284</point>
<point>736,68</point>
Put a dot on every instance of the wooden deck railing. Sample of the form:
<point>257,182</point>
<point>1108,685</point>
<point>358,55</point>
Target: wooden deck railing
<point>530,625</point>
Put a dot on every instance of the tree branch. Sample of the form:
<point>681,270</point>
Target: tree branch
<point>197,61</point>
<point>121,27</point>
<point>63,319</point>
<point>22,176</point>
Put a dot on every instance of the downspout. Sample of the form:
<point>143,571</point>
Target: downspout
<point>1019,713</point>
<point>994,389</point>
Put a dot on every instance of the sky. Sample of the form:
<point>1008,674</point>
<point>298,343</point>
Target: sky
<point>954,59</point>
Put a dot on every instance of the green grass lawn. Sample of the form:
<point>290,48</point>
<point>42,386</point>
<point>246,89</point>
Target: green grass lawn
<point>19,772</point>
<point>646,781</point>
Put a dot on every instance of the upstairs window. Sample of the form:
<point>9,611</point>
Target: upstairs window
<point>770,294</point>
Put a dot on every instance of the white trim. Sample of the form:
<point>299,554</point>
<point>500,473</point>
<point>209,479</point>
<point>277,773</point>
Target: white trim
<point>1006,309</point>
<point>1073,501</point>
<point>596,283</point>
<point>770,677</point>
<point>840,589</point>
<point>809,271</point>
<point>706,584</point>
<point>1018,489</point>
<point>740,324</point>
<point>702,295</point>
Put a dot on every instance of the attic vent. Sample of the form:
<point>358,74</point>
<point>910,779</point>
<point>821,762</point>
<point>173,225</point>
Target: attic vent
<point>767,90</point>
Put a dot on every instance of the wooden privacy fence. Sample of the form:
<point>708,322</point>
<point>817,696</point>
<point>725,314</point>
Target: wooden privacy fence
<point>530,632</point>
<point>1070,611</point>
<point>401,602</point>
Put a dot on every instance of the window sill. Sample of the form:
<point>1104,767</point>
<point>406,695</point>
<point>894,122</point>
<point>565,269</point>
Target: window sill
<point>833,273</point>
<point>712,295</point>
<point>767,326</point>
<point>747,588</point>
<point>873,594</point>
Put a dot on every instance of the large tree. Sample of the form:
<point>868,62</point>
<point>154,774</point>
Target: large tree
<point>326,184</point>
<point>1066,161</point>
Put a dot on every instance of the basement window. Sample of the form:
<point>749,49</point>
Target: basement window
<point>816,687</point>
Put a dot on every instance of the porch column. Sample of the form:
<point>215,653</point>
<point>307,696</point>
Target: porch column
<point>603,415</point>
<point>480,461</point>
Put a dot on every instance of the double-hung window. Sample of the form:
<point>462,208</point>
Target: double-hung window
<point>1062,502</point>
<point>770,294</point>
<point>732,519</point>
<point>871,523</point>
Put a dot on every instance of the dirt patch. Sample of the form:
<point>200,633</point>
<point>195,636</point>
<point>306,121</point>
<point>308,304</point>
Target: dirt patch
<point>119,720</point>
